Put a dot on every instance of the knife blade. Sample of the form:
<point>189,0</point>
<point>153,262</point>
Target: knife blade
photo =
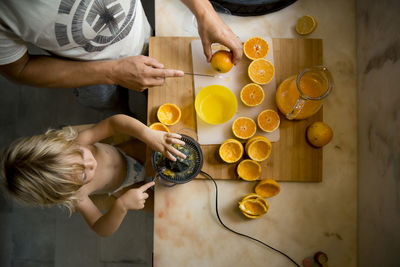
<point>198,74</point>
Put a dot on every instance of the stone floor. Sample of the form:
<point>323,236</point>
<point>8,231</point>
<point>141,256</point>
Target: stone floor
<point>49,237</point>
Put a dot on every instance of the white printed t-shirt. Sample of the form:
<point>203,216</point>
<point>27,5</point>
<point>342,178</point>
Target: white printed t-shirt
<point>76,29</point>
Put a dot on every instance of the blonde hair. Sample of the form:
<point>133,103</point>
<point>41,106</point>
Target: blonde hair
<point>36,170</point>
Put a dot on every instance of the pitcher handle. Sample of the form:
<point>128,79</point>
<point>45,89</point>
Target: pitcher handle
<point>296,109</point>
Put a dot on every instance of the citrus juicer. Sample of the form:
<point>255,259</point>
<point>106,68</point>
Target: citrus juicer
<point>170,173</point>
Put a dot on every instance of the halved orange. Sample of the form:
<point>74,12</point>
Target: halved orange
<point>258,148</point>
<point>267,188</point>
<point>253,207</point>
<point>261,71</point>
<point>255,47</point>
<point>169,114</point>
<point>231,150</point>
<point>250,196</point>
<point>256,137</point>
<point>244,127</point>
<point>249,170</point>
<point>268,120</point>
<point>306,25</point>
<point>158,126</point>
<point>252,216</point>
<point>252,94</point>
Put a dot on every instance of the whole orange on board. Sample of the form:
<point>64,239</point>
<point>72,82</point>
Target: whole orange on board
<point>261,71</point>
<point>169,114</point>
<point>221,61</point>
<point>244,127</point>
<point>255,47</point>
<point>158,126</point>
<point>231,150</point>
<point>319,134</point>
<point>252,94</point>
<point>258,148</point>
<point>267,188</point>
<point>268,120</point>
<point>249,170</point>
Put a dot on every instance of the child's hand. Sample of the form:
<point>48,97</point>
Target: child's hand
<point>163,141</point>
<point>134,199</point>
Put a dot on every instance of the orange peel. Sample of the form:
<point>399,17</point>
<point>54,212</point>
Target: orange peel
<point>231,150</point>
<point>249,170</point>
<point>267,188</point>
<point>158,126</point>
<point>169,114</point>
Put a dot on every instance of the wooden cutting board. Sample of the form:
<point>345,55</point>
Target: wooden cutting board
<point>292,158</point>
<point>234,80</point>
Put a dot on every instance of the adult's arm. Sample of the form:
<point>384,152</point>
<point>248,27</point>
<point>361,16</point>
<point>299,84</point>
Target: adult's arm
<point>212,29</point>
<point>135,72</point>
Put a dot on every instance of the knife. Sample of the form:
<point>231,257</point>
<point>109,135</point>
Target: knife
<point>198,74</point>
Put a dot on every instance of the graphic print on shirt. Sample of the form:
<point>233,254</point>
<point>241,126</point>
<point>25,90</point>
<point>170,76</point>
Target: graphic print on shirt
<point>93,24</point>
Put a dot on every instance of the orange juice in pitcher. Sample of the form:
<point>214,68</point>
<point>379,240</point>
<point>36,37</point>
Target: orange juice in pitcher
<point>299,97</point>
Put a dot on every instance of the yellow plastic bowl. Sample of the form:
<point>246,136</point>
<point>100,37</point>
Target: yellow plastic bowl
<point>215,104</point>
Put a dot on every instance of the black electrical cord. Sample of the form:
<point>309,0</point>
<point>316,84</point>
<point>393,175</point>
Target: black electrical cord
<point>233,231</point>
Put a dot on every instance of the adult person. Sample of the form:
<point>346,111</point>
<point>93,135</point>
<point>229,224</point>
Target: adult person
<point>93,42</point>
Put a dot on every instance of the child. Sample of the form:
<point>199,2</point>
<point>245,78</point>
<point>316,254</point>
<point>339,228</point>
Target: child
<point>64,167</point>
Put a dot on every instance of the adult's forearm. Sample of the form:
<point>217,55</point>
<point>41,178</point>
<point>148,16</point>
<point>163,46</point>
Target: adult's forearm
<point>51,72</point>
<point>199,8</point>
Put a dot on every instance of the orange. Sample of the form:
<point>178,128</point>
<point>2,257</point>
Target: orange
<point>221,61</point>
<point>169,114</point>
<point>249,170</point>
<point>256,137</point>
<point>306,25</point>
<point>261,71</point>
<point>255,47</point>
<point>258,148</point>
<point>319,134</point>
<point>250,196</point>
<point>252,216</point>
<point>244,127</point>
<point>253,206</point>
<point>268,120</point>
<point>158,126</point>
<point>267,188</point>
<point>231,150</point>
<point>252,94</point>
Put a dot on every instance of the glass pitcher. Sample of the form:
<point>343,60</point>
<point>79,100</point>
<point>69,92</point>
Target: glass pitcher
<point>299,97</point>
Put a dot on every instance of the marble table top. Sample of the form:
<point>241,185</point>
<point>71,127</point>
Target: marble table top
<point>305,217</point>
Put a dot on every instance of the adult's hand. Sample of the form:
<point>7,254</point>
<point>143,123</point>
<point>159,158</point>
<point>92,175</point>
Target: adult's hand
<point>213,30</point>
<point>137,72</point>
<point>140,72</point>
